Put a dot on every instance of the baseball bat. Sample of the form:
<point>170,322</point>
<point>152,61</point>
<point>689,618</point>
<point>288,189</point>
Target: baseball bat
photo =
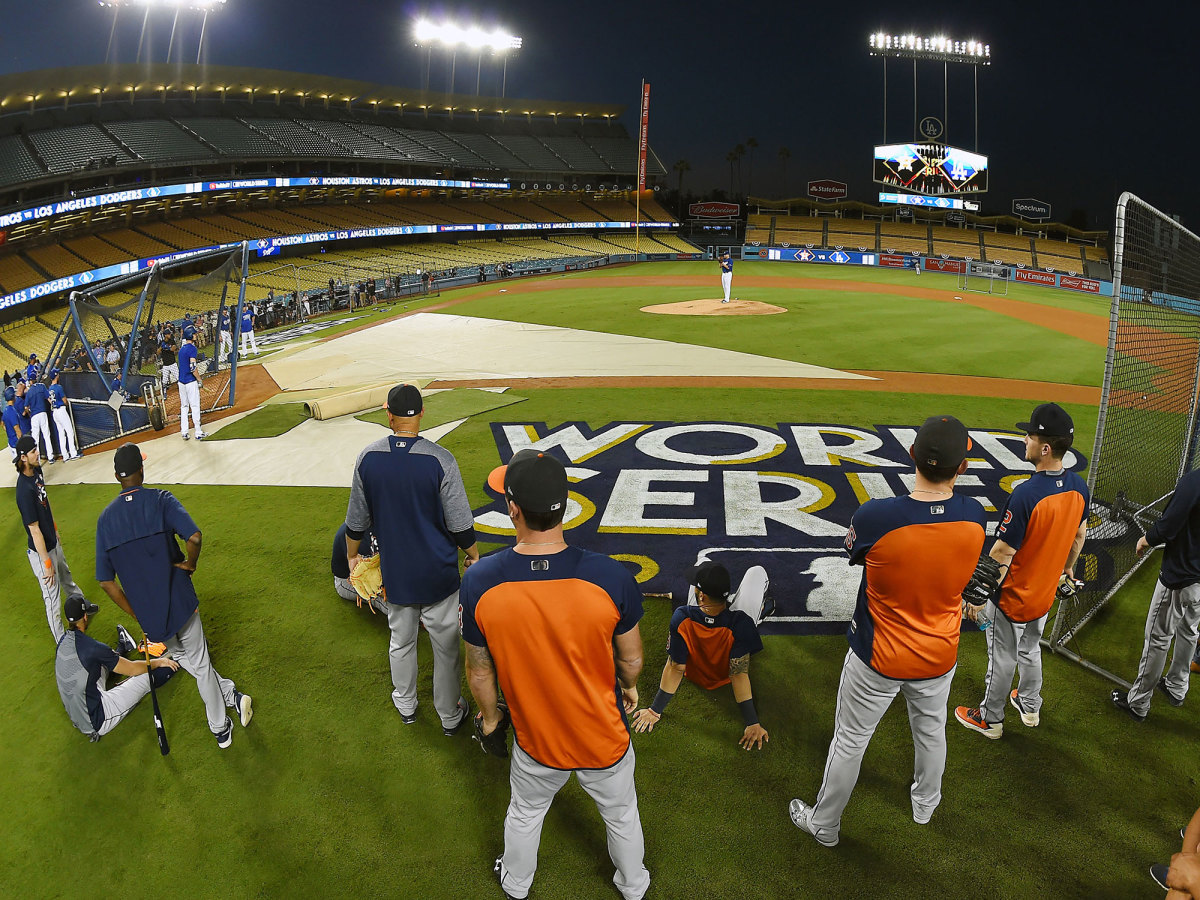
<point>163,747</point>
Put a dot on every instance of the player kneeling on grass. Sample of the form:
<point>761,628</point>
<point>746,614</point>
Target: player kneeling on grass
<point>340,566</point>
<point>82,666</point>
<point>918,552</point>
<point>711,641</point>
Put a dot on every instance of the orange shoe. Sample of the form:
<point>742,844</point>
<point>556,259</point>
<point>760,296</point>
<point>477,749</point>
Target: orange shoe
<point>1195,667</point>
<point>972,717</point>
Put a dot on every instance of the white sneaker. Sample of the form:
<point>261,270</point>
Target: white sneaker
<point>186,436</point>
<point>200,435</point>
<point>801,815</point>
<point>1031,719</point>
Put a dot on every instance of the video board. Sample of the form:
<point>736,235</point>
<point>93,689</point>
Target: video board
<point>931,169</point>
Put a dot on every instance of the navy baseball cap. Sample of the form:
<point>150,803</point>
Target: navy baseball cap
<point>33,356</point>
<point>535,481</point>
<point>712,578</point>
<point>1049,420</point>
<point>942,442</point>
<point>53,374</point>
<point>189,332</point>
<point>128,459</point>
<point>404,400</point>
<point>78,607</point>
<point>25,443</point>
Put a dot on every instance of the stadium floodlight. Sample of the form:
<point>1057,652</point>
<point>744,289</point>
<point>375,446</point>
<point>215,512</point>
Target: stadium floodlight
<point>452,35</point>
<point>935,47</point>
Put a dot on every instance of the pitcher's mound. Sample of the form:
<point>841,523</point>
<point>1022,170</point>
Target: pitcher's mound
<point>715,308</point>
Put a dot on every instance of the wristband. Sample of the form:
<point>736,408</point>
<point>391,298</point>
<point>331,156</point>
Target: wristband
<point>661,699</point>
<point>749,716</point>
<point>48,563</point>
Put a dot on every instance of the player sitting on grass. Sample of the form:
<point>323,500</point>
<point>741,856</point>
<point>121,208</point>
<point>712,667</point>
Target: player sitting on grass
<point>711,640</point>
<point>340,567</point>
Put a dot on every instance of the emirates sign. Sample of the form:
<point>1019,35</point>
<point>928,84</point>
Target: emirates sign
<point>827,189</point>
<point>714,210</point>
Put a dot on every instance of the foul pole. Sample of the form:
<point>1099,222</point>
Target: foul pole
<point>641,179</point>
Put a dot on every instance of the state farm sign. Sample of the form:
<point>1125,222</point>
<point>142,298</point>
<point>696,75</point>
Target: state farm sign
<point>714,210</point>
<point>1035,277</point>
<point>827,189</point>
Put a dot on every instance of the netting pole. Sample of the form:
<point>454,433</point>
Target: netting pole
<point>135,333</point>
<point>59,339</point>
<point>241,301</point>
<point>87,345</point>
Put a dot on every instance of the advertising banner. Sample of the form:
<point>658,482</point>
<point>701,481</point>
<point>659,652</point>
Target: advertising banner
<point>644,136</point>
<point>827,189</point>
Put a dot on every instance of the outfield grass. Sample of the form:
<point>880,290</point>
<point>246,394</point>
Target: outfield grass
<point>328,794</point>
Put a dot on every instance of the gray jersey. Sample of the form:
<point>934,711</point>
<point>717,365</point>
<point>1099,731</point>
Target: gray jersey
<point>78,668</point>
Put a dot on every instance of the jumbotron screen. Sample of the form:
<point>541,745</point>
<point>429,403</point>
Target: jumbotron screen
<point>931,169</point>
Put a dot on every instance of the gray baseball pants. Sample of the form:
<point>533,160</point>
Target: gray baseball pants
<point>441,623</point>
<point>533,789</point>
<point>1013,647</point>
<point>1173,615</point>
<point>52,596</point>
<point>119,701</point>
<point>189,648</point>
<point>346,591</point>
<point>863,697</point>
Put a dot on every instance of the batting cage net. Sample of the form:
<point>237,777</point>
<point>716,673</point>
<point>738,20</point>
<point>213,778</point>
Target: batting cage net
<point>984,278</point>
<point>117,344</point>
<point>1145,436</point>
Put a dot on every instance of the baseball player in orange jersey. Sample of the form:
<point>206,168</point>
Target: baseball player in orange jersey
<point>710,643</point>
<point>1038,541</point>
<point>917,553</point>
<point>556,628</point>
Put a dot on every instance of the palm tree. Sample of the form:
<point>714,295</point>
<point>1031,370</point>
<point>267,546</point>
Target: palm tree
<point>738,152</point>
<point>752,145</point>
<point>731,158</point>
<point>784,155</point>
<point>680,167</point>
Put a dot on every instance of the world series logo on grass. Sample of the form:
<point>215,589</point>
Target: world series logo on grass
<point>660,496</point>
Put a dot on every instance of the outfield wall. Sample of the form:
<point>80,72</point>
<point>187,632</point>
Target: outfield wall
<point>1065,281</point>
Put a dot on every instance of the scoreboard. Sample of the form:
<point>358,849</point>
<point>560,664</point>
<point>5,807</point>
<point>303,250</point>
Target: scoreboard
<point>931,169</point>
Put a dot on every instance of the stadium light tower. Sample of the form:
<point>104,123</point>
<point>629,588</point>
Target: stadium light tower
<point>202,6</point>
<point>935,48</point>
<point>473,38</point>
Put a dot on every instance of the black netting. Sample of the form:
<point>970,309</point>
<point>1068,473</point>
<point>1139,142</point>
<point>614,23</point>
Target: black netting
<point>1144,437</point>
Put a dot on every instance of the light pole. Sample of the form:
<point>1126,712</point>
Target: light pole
<point>452,36</point>
<point>184,6</point>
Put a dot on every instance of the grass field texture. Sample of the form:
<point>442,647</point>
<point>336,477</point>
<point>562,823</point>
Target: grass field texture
<point>327,794</point>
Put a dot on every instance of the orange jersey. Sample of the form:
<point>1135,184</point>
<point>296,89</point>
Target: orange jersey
<point>1040,522</point>
<point>548,623</point>
<point>706,644</point>
<point>917,558</point>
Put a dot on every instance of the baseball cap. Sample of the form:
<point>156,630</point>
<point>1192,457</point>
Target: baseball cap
<point>942,442</point>
<point>53,374</point>
<point>10,393</point>
<point>533,480</point>
<point>25,443</point>
<point>404,400</point>
<point>33,356</point>
<point>78,607</point>
<point>712,578</point>
<point>189,332</point>
<point>1049,420</point>
<point>127,460</point>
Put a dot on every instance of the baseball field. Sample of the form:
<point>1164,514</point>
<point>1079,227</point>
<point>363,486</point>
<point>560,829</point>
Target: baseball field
<point>327,793</point>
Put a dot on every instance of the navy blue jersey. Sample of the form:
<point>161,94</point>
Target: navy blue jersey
<point>338,563</point>
<point>34,506</point>
<point>917,557</point>
<point>411,491</point>
<point>1179,529</point>
<point>135,542</point>
<point>706,644</point>
<point>79,663</point>
<point>37,399</point>
<point>168,353</point>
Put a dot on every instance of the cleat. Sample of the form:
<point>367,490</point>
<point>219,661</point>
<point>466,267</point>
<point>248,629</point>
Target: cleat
<point>225,735</point>
<point>972,717</point>
<point>409,718</point>
<point>1171,698</point>
<point>1029,718</point>
<point>125,642</point>
<point>244,704</point>
<point>498,871</point>
<point>801,815</point>
<point>1120,700</point>
<point>465,706</point>
<point>186,436</point>
<point>200,435</point>
<point>1158,872</point>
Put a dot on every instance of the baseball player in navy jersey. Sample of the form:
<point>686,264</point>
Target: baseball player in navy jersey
<point>62,418</point>
<point>226,339</point>
<point>340,568</point>
<point>710,643</point>
<point>82,666</point>
<point>918,553</point>
<point>1037,544</point>
<point>45,550</point>
<point>1174,612</point>
<point>189,384</point>
<point>248,344</point>
<point>37,404</point>
<point>726,273</point>
<point>166,353</point>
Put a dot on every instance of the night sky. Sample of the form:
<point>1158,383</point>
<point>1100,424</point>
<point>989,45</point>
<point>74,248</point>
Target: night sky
<point>1082,100</point>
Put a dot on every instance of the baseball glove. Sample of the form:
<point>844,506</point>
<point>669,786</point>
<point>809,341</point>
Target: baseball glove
<point>367,581</point>
<point>984,581</point>
<point>496,743</point>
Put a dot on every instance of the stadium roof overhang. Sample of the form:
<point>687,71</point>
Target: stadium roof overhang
<point>31,91</point>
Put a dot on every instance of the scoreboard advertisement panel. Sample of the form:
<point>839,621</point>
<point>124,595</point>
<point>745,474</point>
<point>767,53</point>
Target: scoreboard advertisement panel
<point>931,169</point>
